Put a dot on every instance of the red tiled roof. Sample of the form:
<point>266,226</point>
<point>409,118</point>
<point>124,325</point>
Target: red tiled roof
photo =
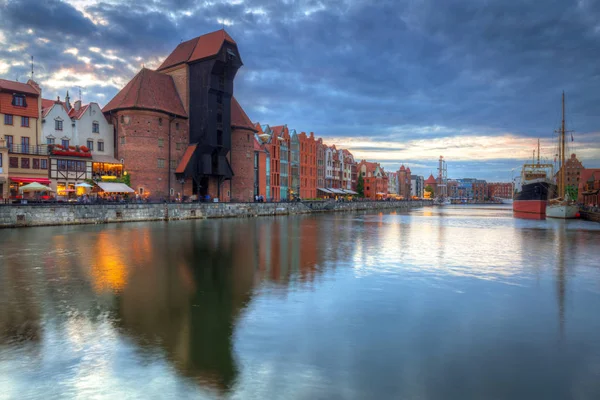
<point>258,128</point>
<point>239,119</point>
<point>187,156</point>
<point>12,86</point>
<point>430,180</point>
<point>78,113</point>
<point>198,48</point>
<point>277,130</point>
<point>149,90</point>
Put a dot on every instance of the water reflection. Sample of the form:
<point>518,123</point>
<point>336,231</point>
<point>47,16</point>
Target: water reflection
<point>370,305</point>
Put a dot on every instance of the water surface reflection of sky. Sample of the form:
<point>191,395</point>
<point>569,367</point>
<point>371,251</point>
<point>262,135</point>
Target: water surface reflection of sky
<point>455,302</point>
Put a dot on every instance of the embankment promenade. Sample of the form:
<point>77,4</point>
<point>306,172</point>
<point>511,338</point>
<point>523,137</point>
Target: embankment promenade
<point>15,216</point>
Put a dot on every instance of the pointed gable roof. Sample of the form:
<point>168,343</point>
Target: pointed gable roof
<point>430,180</point>
<point>76,114</point>
<point>148,90</point>
<point>239,119</point>
<point>196,49</point>
<point>12,86</point>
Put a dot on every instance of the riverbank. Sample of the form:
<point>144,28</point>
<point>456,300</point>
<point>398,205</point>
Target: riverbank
<point>17,216</point>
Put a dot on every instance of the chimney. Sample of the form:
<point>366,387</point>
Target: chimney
<point>77,105</point>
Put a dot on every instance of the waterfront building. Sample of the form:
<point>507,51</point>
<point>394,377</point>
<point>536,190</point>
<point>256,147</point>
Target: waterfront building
<point>404,182</point>
<point>308,165</point>
<point>375,179</point>
<point>347,167</point>
<point>174,124</point>
<point>417,186</point>
<point>337,168</point>
<point>294,163</point>
<point>281,135</point>
<point>573,168</point>
<point>152,135</point>
<point>243,159</point>
<point>392,182</point>
<point>502,190</point>
<point>273,146</point>
<point>82,144</point>
<point>321,149</point>
<point>22,154</point>
<point>589,187</point>
<point>329,151</point>
<point>432,182</point>
<point>480,191</point>
<point>261,172</point>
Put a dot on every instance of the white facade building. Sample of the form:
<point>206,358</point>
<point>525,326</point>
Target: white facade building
<point>392,182</point>
<point>417,186</point>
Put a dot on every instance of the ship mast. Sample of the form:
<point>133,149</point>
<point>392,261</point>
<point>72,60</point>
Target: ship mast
<point>538,152</point>
<point>562,150</point>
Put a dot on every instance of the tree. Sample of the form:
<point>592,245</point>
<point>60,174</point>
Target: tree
<point>360,186</point>
<point>429,189</point>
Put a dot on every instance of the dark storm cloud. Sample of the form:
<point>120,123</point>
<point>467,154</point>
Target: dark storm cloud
<point>387,70</point>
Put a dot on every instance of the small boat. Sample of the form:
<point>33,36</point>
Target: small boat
<point>562,207</point>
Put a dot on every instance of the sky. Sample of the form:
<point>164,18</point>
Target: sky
<point>399,82</point>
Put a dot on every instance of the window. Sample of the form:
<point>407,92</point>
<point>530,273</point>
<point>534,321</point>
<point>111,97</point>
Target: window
<point>25,163</point>
<point>122,118</point>
<point>100,146</point>
<point>25,145</point>
<point>90,145</point>
<point>13,162</point>
<point>36,163</point>
<point>177,126</point>
<point>177,146</point>
<point>95,127</point>
<point>19,100</point>
<point>8,119</point>
<point>43,164</point>
<point>65,143</point>
<point>172,191</point>
<point>161,163</point>
<point>160,122</point>
<point>25,122</point>
<point>173,164</point>
<point>219,137</point>
<point>141,190</point>
<point>0,160</point>
<point>122,140</point>
<point>9,141</point>
<point>61,165</point>
<point>49,140</point>
<point>161,142</point>
<point>58,125</point>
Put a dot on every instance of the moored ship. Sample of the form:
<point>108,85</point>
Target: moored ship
<point>531,198</point>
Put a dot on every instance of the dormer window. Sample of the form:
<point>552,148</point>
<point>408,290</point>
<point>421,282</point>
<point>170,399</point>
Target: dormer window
<point>19,100</point>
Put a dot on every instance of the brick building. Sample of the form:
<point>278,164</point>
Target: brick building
<point>573,168</point>
<point>589,187</point>
<point>500,190</point>
<point>375,179</point>
<point>173,125</point>
<point>242,157</point>
<point>321,147</point>
<point>404,182</point>
<point>480,191</point>
<point>308,166</point>
<point>261,172</point>
<point>432,182</point>
<point>151,133</point>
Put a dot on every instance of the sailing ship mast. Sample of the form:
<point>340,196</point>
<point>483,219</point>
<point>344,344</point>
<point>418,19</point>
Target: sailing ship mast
<point>561,154</point>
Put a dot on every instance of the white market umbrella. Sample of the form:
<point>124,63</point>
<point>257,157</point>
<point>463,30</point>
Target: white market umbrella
<point>84,184</point>
<point>35,187</point>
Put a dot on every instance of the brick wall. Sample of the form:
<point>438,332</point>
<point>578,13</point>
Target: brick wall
<point>138,144</point>
<point>262,172</point>
<point>242,163</point>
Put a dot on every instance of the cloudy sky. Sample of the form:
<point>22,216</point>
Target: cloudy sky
<point>393,81</point>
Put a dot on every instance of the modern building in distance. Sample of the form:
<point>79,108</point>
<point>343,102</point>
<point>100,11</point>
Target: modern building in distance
<point>417,186</point>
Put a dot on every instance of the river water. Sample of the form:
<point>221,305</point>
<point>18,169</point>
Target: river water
<point>436,303</point>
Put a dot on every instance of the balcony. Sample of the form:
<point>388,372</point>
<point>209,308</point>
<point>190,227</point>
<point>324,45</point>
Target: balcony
<point>40,150</point>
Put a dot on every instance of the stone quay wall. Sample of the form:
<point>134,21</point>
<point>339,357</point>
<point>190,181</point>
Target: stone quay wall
<point>14,216</point>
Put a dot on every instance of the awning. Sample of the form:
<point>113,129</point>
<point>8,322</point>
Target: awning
<point>324,190</point>
<point>43,181</point>
<point>336,191</point>
<point>101,158</point>
<point>350,191</point>
<point>113,187</point>
<point>187,156</point>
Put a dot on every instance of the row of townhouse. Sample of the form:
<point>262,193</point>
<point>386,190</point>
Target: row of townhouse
<point>50,141</point>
